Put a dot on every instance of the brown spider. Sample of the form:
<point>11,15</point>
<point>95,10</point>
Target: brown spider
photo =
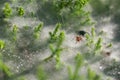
<point>78,38</point>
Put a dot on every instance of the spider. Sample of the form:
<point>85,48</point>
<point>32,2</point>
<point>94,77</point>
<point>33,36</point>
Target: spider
<point>78,38</point>
<point>80,35</point>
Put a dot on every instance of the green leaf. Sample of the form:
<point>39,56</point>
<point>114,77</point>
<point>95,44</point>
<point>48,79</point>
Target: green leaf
<point>21,78</point>
<point>51,48</point>
<point>15,29</point>
<point>79,60</point>
<point>2,44</point>
<point>98,44</point>
<point>58,25</point>
<point>87,37</point>
<point>41,75</point>
<point>58,63</point>
<point>70,72</point>
<point>20,11</point>
<point>38,28</point>
<point>54,35</point>
<point>93,31</point>
<point>97,77</point>
<point>61,38</point>
<point>91,74</point>
<point>36,35</point>
<point>7,11</point>
<point>5,69</point>
<point>109,45</point>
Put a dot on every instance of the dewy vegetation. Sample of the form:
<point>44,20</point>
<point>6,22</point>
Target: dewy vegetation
<point>7,11</point>
<point>68,9</point>
<point>4,69</point>
<point>64,9</point>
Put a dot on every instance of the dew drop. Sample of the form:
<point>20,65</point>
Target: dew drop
<point>118,72</point>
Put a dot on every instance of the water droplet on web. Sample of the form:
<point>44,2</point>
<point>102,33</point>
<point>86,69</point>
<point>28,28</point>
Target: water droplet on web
<point>17,67</point>
<point>17,70</point>
<point>21,64</point>
<point>118,72</point>
<point>101,67</point>
<point>8,54</point>
<point>113,73</point>
<point>18,57</point>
